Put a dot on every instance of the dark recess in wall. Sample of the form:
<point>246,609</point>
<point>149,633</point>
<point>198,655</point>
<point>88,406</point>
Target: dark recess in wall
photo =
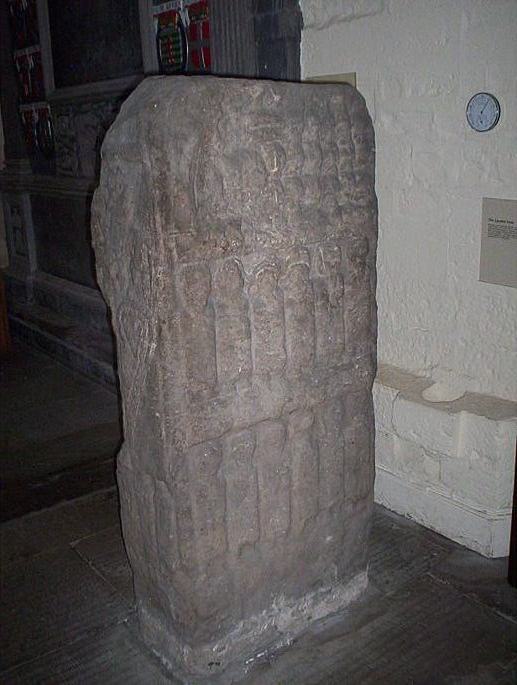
<point>277,25</point>
<point>94,41</point>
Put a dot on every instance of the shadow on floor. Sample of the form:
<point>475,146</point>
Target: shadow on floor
<point>59,433</point>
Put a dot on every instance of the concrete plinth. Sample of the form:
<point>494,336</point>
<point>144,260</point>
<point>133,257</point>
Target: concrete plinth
<point>235,235</point>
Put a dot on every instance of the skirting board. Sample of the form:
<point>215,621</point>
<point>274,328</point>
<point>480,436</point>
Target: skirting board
<point>485,532</point>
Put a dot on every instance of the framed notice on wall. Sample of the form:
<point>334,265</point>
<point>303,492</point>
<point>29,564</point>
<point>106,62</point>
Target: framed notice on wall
<point>498,261</point>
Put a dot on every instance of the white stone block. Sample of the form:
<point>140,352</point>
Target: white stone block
<point>487,534</point>
<point>383,447</point>
<point>419,465</point>
<point>403,457</point>
<point>448,465</point>
<point>487,442</point>
<point>481,473</point>
<point>383,400</point>
<point>467,482</point>
<point>433,429</point>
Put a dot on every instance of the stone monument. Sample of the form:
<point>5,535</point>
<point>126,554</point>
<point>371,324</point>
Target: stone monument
<point>235,236</point>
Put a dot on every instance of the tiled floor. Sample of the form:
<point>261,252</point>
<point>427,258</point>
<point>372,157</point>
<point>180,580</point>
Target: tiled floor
<point>434,612</point>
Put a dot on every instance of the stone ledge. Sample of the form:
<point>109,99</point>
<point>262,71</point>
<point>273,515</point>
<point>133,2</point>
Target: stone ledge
<point>410,387</point>
<point>94,92</point>
<point>448,465</point>
<point>84,350</point>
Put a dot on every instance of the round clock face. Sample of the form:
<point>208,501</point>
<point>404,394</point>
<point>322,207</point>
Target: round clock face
<point>483,112</point>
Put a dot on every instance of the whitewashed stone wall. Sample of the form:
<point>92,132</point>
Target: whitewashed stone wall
<point>448,465</point>
<point>417,64</point>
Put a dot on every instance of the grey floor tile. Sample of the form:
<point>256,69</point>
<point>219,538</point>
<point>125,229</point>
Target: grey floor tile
<point>57,527</point>
<point>21,365</point>
<point>424,631</point>
<point>23,538</point>
<point>58,433</point>
<point>483,580</point>
<point>109,657</point>
<point>96,512</point>
<point>401,550</point>
<point>52,600</point>
<point>105,552</point>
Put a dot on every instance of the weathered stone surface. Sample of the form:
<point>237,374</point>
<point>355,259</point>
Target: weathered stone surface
<point>235,234</point>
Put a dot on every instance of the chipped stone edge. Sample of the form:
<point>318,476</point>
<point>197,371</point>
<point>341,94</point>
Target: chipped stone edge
<point>252,639</point>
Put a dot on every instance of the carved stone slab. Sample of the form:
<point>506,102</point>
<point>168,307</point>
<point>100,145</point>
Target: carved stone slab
<point>235,234</point>
<point>79,130</point>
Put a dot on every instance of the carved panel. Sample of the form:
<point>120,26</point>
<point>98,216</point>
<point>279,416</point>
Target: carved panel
<point>79,131</point>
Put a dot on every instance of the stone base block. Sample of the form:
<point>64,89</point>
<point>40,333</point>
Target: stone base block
<point>251,639</point>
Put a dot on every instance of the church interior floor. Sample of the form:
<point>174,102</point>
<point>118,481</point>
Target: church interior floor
<point>434,612</point>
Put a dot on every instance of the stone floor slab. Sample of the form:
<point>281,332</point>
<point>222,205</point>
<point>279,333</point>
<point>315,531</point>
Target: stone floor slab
<point>483,580</point>
<point>59,433</point>
<point>105,552</point>
<point>57,527</point>
<point>21,497</point>
<point>29,378</point>
<point>52,600</point>
<point>426,627</point>
<point>402,550</point>
<point>60,416</point>
<point>109,657</point>
<point>36,460</point>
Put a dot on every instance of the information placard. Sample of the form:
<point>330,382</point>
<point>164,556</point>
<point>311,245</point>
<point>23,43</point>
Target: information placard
<point>498,262</point>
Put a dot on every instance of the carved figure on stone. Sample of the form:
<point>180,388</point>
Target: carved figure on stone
<point>233,333</point>
<point>198,327</point>
<point>268,321</point>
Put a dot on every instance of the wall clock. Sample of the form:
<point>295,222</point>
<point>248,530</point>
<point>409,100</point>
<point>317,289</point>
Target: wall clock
<point>483,112</point>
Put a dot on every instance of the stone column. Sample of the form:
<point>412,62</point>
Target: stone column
<point>235,235</point>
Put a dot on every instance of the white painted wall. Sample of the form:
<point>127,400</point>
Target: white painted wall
<point>417,63</point>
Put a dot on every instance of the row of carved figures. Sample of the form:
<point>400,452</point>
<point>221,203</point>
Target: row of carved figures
<point>258,484</point>
<point>276,322</point>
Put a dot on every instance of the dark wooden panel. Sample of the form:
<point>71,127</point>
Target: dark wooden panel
<point>62,232</point>
<point>94,40</point>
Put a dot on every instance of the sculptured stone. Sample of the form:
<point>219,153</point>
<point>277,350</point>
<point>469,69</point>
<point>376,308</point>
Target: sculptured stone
<point>235,235</point>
